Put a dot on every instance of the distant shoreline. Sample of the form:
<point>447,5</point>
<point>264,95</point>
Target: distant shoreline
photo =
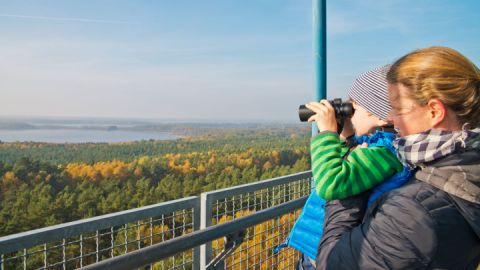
<point>76,136</point>
<point>50,130</point>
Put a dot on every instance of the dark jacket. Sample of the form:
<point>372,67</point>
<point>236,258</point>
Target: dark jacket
<point>417,226</point>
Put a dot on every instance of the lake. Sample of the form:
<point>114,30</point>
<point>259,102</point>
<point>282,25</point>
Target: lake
<point>81,136</point>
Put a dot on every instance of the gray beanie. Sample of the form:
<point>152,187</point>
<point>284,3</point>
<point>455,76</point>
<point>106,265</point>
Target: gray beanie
<point>370,91</point>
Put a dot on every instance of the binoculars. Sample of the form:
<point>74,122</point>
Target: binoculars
<point>343,110</point>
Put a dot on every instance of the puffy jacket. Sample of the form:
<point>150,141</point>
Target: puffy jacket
<point>417,226</point>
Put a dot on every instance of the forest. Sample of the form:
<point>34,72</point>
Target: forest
<point>44,184</point>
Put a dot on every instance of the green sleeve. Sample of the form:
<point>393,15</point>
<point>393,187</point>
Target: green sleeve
<point>338,178</point>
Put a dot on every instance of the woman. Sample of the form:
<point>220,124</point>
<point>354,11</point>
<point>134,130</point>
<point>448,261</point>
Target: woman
<point>432,222</point>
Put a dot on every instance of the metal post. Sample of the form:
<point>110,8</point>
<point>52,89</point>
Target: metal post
<point>197,216</point>
<point>205,222</point>
<point>319,51</point>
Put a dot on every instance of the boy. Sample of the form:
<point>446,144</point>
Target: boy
<point>340,172</point>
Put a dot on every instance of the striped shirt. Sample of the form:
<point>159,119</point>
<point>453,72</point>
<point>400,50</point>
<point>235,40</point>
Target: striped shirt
<point>336,177</point>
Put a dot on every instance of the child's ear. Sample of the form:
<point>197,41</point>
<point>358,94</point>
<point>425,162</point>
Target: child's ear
<point>379,122</point>
<point>382,123</point>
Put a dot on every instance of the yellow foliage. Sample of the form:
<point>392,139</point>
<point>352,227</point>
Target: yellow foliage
<point>138,172</point>
<point>212,159</point>
<point>268,264</point>
<point>218,244</point>
<point>201,169</point>
<point>110,169</point>
<point>120,171</point>
<point>242,213</point>
<point>267,166</point>
<point>223,219</point>
<point>238,261</point>
<point>243,162</point>
<point>275,157</point>
<point>159,234</point>
<point>10,178</point>
<point>228,169</point>
<point>185,167</point>
<point>142,160</point>
<point>105,170</point>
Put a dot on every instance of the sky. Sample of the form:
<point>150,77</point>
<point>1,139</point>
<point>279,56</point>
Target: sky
<point>212,60</point>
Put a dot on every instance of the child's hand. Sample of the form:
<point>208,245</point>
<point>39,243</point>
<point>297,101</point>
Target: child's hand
<point>324,115</point>
<point>363,145</point>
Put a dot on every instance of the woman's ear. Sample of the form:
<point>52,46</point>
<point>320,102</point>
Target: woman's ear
<point>437,112</point>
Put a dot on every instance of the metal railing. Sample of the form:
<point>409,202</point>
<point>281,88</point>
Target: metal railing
<point>86,242</point>
<point>80,243</point>
<point>233,230</point>
<point>227,204</point>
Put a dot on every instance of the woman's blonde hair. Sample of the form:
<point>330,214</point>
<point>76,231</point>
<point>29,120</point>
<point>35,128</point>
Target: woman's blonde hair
<point>444,74</point>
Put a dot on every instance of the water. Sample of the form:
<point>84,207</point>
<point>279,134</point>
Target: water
<point>81,136</point>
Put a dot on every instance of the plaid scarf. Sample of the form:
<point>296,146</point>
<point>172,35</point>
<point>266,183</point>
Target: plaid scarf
<point>416,149</point>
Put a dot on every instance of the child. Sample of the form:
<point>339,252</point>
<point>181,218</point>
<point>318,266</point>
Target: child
<point>340,171</point>
<point>337,176</point>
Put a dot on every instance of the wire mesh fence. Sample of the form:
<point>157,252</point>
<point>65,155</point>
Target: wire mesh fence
<point>90,247</point>
<point>258,249</point>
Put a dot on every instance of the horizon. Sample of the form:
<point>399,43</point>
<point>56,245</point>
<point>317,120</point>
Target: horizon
<point>93,119</point>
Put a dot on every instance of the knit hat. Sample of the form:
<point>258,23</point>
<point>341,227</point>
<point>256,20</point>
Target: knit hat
<point>370,91</point>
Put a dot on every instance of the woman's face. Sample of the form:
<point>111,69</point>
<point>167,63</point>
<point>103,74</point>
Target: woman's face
<point>407,116</point>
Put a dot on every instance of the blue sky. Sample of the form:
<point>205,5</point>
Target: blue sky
<point>207,60</point>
